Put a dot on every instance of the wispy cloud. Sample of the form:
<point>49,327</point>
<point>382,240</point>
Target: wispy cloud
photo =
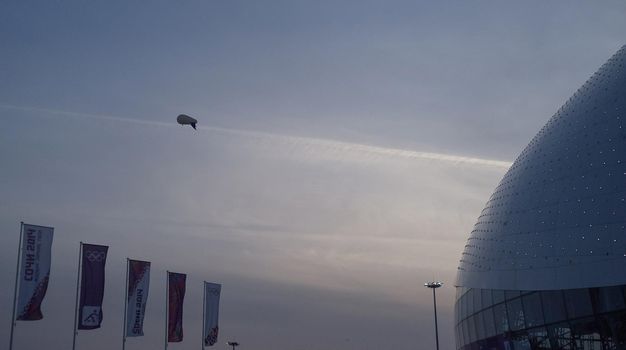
<point>297,141</point>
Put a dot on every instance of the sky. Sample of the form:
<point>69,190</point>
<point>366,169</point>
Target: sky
<point>344,152</point>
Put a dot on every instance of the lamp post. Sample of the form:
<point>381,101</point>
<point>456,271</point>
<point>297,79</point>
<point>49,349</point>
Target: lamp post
<point>233,344</point>
<point>433,286</point>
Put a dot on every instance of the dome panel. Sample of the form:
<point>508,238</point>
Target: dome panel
<point>557,219</point>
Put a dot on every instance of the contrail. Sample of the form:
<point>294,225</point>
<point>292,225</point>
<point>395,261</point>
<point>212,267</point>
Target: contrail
<point>306,142</point>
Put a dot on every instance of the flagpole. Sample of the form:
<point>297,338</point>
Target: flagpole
<point>17,272</point>
<point>167,302</point>
<point>125,306</point>
<point>203,314</point>
<point>80,256</point>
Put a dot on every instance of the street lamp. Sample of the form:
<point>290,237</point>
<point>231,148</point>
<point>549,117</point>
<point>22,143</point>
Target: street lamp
<point>233,344</point>
<point>433,286</point>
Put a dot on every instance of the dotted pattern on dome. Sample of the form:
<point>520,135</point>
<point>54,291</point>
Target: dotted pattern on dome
<point>558,217</point>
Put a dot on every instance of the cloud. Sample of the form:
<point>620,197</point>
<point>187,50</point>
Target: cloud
<point>314,145</point>
<point>294,227</point>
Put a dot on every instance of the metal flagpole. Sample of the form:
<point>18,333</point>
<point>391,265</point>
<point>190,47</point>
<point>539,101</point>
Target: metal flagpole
<point>80,258</point>
<point>167,302</point>
<point>17,272</point>
<point>125,306</point>
<point>203,314</point>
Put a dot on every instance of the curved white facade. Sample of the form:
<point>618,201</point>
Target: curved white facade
<point>557,220</point>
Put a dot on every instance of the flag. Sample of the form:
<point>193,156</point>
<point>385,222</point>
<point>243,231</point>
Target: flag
<point>211,312</point>
<point>34,271</point>
<point>176,295</point>
<point>92,286</point>
<point>137,294</point>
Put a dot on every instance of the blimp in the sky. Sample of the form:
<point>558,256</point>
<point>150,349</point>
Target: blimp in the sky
<point>184,119</point>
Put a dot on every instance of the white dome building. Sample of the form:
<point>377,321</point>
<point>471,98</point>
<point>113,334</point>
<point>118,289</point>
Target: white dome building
<point>545,266</point>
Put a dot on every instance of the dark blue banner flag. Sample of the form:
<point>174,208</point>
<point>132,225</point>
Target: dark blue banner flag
<point>176,295</point>
<point>92,286</point>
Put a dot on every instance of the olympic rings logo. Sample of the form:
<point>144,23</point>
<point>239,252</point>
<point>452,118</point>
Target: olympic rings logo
<point>95,256</point>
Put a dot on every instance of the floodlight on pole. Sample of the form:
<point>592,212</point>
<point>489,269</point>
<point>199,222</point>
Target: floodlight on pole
<point>233,344</point>
<point>433,286</point>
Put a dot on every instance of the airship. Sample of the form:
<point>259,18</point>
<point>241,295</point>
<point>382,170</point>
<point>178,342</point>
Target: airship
<point>184,119</point>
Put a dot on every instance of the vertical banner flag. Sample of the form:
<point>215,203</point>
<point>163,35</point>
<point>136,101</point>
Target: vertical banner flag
<point>34,271</point>
<point>92,286</point>
<point>211,312</point>
<point>138,284</point>
<point>176,295</point>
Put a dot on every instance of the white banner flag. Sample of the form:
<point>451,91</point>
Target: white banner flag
<point>138,285</point>
<point>34,271</point>
<point>211,312</point>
